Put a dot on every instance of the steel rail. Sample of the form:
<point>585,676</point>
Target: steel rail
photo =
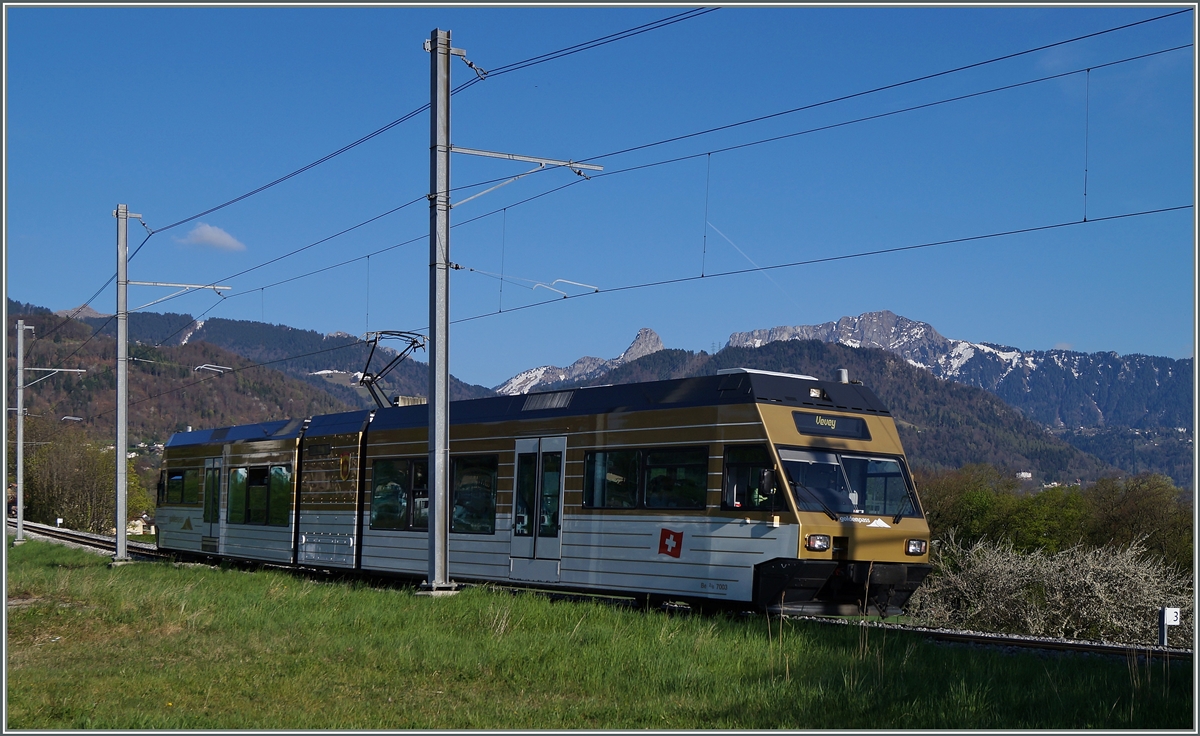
<point>87,539</point>
<point>1022,641</point>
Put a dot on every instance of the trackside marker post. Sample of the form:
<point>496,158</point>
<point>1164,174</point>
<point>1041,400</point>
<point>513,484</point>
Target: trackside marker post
<point>1166,617</point>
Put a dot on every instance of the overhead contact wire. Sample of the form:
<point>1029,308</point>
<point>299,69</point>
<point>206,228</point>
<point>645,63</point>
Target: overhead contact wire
<point>885,87</point>
<point>236,370</point>
<point>829,259</point>
<point>678,159</point>
<point>588,45</point>
<point>640,29</point>
<point>423,108</point>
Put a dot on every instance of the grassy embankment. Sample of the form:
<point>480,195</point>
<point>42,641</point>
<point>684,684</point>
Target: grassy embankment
<point>158,646</point>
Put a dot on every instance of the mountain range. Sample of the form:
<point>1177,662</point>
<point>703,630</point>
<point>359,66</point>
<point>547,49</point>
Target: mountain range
<point>1058,388</point>
<point>166,391</point>
<point>584,369</point>
<point>1104,411</point>
<point>333,362</point>
<point>1133,411</point>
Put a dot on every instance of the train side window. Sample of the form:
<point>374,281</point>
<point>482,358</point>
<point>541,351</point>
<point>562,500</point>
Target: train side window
<point>237,496</point>
<point>389,494</point>
<point>610,479</point>
<point>162,487</point>
<point>743,472</point>
<point>212,493</point>
<point>280,501</point>
<point>676,478</point>
<point>256,496</point>
<point>191,486</point>
<point>524,492</point>
<point>474,499</point>
<point>174,486</point>
<point>420,494</point>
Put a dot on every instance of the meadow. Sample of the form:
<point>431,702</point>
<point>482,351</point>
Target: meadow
<point>167,646</point>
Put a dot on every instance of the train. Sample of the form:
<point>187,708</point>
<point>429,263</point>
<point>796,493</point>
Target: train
<point>746,489</point>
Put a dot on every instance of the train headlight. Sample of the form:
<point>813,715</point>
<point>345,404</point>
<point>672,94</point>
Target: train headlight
<point>816,542</point>
<point>915,547</point>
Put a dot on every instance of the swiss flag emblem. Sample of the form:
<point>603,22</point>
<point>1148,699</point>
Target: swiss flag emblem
<point>670,543</point>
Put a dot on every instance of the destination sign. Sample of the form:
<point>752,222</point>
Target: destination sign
<point>827,425</point>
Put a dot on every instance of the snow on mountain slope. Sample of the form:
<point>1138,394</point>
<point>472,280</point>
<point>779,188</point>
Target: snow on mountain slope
<point>1056,387</point>
<point>1059,388</point>
<point>917,342</point>
<point>646,342</point>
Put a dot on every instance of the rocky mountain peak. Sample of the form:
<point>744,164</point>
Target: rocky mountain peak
<point>85,312</point>
<point>917,342</point>
<point>646,342</point>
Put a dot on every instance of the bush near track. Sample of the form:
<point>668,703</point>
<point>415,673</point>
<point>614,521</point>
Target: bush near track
<point>1094,562</point>
<point>985,502</point>
<point>1095,593</point>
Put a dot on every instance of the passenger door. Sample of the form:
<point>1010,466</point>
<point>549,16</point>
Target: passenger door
<point>537,501</point>
<point>210,525</point>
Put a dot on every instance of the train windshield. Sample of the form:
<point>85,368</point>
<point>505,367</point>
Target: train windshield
<point>848,483</point>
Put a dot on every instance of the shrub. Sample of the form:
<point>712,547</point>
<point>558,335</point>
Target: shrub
<point>1097,593</point>
<point>982,501</point>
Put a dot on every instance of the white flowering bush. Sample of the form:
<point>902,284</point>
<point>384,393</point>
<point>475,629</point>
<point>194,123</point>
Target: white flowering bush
<point>1097,593</point>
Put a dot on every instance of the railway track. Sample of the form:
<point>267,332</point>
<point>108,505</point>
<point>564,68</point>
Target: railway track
<point>137,550</point>
<point>1013,641</point>
<point>967,638</point>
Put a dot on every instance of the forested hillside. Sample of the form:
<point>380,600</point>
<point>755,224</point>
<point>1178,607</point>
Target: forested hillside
<point>166,394</point>
<point>942,424</point>
<point>1164,450</point>
<point>299,353</point>
<point>145,327</point>
<point>16,307</point>
<point>1075,390</point>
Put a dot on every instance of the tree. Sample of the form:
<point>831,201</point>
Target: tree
<point>981,502</point>
<point>72,476</point>
<point>71,480</point>
<point>975,500</point>
<point>138,498</point>
<point>1121,510</point>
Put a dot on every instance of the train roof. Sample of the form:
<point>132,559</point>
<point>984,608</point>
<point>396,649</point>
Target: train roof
<point>329,424</point>
<point>282,429</point>
<point>738,386</point>
<point>734,386</point>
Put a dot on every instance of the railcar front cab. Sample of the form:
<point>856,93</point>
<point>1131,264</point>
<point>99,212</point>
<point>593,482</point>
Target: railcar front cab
<point>835,464</point>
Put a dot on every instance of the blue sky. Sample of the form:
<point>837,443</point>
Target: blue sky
<point>176,110</point>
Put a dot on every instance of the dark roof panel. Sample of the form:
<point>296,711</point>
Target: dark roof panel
<point>329,424</point>
<point>278,430</point>
<point>727,388</point>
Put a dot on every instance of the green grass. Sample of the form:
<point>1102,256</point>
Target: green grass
<point>158,646</point>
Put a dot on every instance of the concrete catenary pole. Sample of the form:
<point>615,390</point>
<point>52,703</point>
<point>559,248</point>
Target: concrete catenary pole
<point>439,311</point>
<point>20,538</point>
<point>122,445</point>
